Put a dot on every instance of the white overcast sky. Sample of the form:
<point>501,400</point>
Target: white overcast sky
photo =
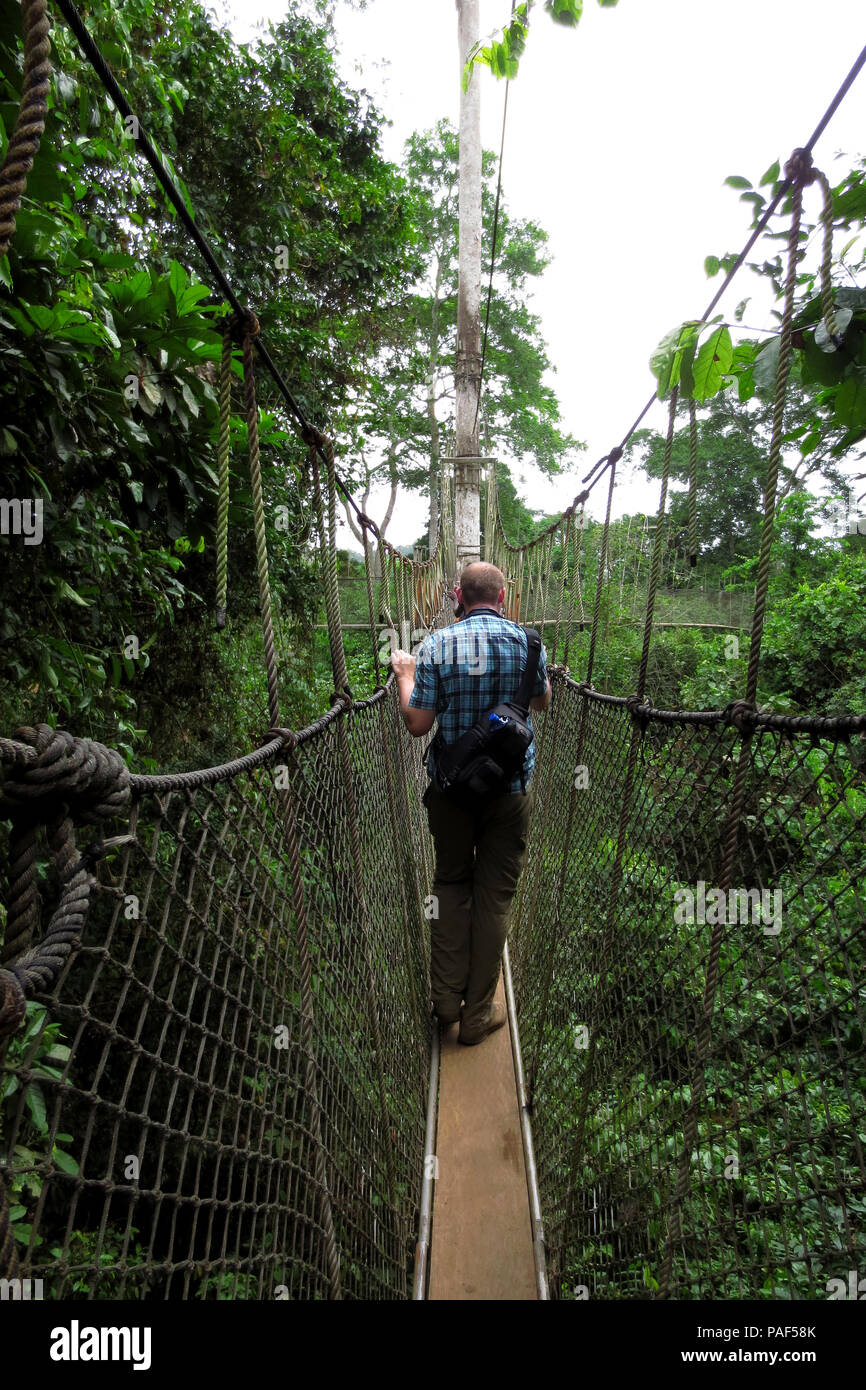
<point>620,136</point>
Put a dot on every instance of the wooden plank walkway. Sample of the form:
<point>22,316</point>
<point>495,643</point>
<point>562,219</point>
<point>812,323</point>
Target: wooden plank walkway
<point>482,1237</point>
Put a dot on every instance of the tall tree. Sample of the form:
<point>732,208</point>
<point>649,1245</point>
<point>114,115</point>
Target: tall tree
<point>410,412</point>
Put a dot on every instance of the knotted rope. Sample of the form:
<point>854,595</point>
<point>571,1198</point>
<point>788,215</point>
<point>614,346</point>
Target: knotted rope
<point>67,781</point>
<point>25,138</point>
<point>54,780</point>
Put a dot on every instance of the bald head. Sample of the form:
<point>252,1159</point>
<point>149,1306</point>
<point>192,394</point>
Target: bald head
<point>481,583</point>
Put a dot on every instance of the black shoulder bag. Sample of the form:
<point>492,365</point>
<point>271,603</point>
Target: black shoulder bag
<point>485,760</point>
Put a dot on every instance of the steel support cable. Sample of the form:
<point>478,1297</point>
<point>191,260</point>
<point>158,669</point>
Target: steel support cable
<point>24,141</point>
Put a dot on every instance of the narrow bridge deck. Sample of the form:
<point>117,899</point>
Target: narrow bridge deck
<point>481,1244</point>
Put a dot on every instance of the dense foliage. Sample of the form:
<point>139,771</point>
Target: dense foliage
<point>110,336</point>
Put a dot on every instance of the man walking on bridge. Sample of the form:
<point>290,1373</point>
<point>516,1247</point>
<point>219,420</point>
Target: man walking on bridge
<point>461,672</point>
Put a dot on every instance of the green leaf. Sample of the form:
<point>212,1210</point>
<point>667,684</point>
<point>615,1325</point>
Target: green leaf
<point>66,591</point>
<point>712,265</point>
<point>825,368</point>
<point>65,1162</point>
<point>565,11</point>
<point>178,280</point>
<point>851,402</point>
<point>766,367</point>
<point>712,364</point>
<point>771,175</point>
<point>36,1105</point>
<point>849,205</point>
<point>687,366</point>
<point>737,181</point>
<point>746,384</point>
<point>666,361</point>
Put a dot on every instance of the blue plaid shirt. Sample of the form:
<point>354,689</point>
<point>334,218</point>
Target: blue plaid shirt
<point>463,670</point>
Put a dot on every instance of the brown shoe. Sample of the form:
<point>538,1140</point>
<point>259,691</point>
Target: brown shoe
<point>498,1016</point>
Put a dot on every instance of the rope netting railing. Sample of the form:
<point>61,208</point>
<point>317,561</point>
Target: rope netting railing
<point>611,955</point>
<point>688,948</point>
<point>215,1058</point>
<point>222,1091</point>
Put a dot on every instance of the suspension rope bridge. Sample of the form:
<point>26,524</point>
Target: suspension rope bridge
<point>239,958</point>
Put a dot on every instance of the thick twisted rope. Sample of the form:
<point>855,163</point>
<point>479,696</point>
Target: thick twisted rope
<point>250,332</point>
<point>61,779</point>
<point>25,138</point>
<point>68,781</point>
<point>827,307</point>
<point>222,531</point>
<point>693,483</point>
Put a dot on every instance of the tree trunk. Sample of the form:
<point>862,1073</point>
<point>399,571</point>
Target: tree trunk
<point>431,412</point>
<point>467,373</point>
<point>392,473</point>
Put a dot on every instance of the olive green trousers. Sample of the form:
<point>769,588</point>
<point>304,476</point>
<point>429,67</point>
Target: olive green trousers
<point>479,859</point>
